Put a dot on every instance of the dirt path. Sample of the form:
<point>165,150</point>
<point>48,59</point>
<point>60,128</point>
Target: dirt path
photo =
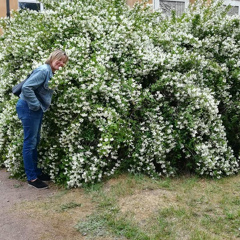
<point>16,224</point>
<point>27,213</point>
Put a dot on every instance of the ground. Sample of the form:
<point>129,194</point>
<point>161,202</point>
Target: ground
<point>122,207</point>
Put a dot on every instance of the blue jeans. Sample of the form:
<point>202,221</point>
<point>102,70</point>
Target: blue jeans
<point>31,121</point>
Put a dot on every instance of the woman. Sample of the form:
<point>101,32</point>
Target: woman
<point>35,99</point>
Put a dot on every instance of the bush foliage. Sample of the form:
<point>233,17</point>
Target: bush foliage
<point>141,92</point>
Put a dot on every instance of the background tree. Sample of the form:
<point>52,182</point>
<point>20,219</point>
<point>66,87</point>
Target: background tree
<point>140,93</point>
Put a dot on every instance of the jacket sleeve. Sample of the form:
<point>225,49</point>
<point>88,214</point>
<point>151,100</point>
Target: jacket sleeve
<point>36,79</point>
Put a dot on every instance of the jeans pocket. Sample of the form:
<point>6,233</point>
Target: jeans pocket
<point>21,108</point>
<point>24,112</point>
<point>35,114</point>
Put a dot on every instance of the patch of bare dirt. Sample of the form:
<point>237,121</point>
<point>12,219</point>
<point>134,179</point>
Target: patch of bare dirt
<point>145,204</point>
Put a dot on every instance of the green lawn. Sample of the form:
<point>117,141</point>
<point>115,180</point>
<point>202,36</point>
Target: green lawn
<point>140,208</point>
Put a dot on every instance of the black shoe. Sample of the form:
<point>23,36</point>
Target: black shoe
<point>44,177</point>
<point>38,184</point>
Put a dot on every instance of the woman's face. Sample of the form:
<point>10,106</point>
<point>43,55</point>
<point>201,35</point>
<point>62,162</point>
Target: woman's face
<point>57,63</point>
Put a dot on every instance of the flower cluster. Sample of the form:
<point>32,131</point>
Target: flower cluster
<point>140,93</point>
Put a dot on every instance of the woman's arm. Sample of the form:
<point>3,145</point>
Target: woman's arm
<point>36,79</point>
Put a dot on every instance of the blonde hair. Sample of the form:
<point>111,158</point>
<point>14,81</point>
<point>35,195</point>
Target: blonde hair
<point>56,55</point>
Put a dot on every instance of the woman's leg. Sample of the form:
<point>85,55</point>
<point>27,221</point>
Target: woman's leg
<point>35,152</point>
<point>31,121</point>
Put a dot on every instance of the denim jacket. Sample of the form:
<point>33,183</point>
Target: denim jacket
<point>35,90</point>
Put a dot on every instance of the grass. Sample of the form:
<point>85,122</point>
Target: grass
<point>68,206</point>
<point>140,208</point>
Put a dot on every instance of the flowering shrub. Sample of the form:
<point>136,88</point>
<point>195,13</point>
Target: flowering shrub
<point>140,92</point>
